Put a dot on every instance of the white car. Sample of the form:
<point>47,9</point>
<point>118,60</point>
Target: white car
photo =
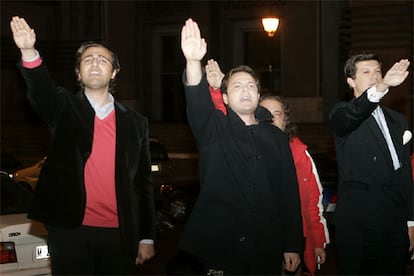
<point>23,242</point>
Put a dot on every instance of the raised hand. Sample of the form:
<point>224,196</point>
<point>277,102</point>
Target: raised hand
<point>214,74</point>
<point>397,73</point>
<point>193,46</point>
<point>23,35</point>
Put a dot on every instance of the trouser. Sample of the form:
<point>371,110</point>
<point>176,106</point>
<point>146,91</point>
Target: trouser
<point>369,252</point>
<point>87,251</point>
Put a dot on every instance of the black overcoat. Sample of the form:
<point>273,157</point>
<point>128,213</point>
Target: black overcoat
<point>248,210</point>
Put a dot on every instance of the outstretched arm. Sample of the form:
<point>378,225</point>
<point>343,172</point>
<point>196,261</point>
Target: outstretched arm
<point>24,37</point>
<point>194,48</point>
<point>42,92</point>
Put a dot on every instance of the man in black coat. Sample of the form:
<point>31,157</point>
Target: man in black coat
<point>247,216</point>
<point>94,192</point>
<point>375,197</point>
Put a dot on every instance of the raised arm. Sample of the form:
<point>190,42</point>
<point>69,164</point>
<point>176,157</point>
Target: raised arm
<point>42,92</point>
<point>194,48</point>
<point>24,37</point>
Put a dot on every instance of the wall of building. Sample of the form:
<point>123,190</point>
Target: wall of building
<point>316,37</point>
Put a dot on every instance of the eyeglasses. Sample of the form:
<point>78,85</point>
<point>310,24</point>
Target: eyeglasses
<point>100,60</point>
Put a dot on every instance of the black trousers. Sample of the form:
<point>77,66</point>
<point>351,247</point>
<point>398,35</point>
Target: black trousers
<point>369,252</point>
<point>87,251</point>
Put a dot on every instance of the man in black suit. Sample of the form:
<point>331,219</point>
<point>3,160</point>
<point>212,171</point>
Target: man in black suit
<point>94,192</point>
<point>375,196</point>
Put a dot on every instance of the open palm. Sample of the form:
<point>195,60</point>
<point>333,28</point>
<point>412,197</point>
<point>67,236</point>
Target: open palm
<point>23,35</point>
<point>397,73</point>
<point>193,46</point>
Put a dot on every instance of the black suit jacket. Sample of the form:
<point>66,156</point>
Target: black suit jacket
<point>60,197</point>
<point>371,194</point>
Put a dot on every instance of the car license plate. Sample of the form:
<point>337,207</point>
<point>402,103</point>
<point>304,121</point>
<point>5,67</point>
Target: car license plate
<point>42,252</point>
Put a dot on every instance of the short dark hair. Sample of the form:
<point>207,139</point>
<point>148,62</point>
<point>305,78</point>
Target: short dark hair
<point>114,61</point>
<point>290,128</point>
<point>350,68</point>
<point>241,68</point>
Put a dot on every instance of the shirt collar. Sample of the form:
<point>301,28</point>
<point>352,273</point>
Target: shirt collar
<point>103,111</point>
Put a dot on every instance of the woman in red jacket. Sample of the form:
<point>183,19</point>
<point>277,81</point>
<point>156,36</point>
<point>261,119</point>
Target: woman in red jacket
<point>314,224</point>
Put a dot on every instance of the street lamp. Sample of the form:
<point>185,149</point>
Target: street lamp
<point>270,25</point>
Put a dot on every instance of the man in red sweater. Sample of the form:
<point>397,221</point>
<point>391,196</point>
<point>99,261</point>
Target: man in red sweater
<point>94,192</point>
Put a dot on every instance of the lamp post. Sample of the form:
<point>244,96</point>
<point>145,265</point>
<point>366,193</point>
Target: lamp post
<point>270,25</point>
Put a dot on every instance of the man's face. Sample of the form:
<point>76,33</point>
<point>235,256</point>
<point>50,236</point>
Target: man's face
<point>96,70</point>
<point>368,74</point>
<point>242,93</point>
<point>278,115</point>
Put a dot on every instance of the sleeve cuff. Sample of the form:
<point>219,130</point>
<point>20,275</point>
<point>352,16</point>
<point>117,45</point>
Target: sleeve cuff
<point>410,223</point>
<point>32,63</point>
<point>148,241</point>
<point>374,96</point>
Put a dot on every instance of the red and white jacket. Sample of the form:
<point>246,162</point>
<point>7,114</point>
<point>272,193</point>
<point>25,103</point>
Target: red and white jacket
<point>310,189</point>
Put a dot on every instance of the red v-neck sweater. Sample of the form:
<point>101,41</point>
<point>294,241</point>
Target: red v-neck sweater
<point>101,205</point>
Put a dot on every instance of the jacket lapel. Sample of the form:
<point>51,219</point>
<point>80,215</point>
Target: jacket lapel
<point>127,136</point>
<point>85,111</point>
<point>121,139</point>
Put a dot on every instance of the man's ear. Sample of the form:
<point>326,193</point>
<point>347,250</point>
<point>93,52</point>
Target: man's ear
<point>225,98</point>
<point>77,73</point>
<point>350,82</point>
<point>113,74</point>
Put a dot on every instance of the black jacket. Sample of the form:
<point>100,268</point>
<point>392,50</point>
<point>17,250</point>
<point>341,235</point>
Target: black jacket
<point>248,210</point>
<point>371,194</point>
<point>60,197</point>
